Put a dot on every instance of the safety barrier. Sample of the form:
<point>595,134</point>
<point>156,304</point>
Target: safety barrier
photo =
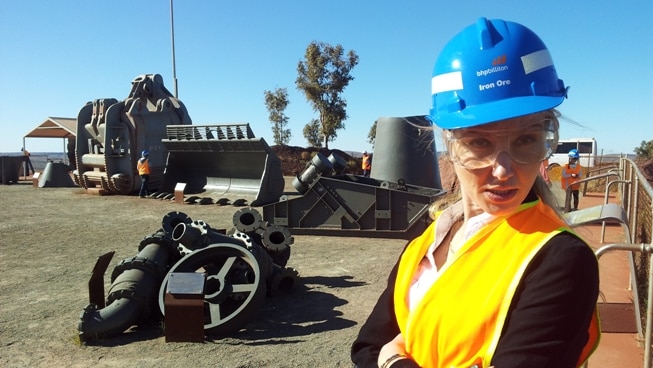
<point>637,200</point>
<point>583,183</point>
<point>593,172</point>
<point>635,213</point>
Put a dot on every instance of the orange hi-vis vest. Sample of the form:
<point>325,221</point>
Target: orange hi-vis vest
<point>366,162</point>
<point>143,167</point>
<point>459,321</point>
<point>565,182</point>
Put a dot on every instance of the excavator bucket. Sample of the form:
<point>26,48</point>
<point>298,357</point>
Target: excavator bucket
<point>222,160</point>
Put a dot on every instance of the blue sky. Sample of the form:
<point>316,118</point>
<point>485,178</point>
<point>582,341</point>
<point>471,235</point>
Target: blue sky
<point>57,55</point>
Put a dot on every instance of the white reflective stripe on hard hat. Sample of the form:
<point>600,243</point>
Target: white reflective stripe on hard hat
<point>536,61</point>
<point>446,82</point>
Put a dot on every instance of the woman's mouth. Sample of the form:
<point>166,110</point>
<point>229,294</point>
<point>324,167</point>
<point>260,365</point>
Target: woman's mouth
<point>501,195</point>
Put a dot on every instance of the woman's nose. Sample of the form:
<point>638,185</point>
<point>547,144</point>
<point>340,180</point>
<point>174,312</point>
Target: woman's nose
<point>502,168</point>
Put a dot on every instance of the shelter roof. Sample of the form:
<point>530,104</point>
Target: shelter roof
<point>54,127</point>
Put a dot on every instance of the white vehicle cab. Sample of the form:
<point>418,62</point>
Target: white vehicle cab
<point>586,148</point>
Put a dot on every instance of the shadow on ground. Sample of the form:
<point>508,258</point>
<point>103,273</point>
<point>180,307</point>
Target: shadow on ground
<point>309,309</point>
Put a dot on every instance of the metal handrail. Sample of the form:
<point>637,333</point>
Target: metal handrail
<point>637,184</point>
<point>582,181</point>
<point>607,195</point>
<point>589,173</point>
<point>642,248</point>
<point>634,185</point>
<point>648,249</point>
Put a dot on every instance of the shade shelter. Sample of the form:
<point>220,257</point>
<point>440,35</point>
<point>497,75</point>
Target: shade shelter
<point>56,127</point>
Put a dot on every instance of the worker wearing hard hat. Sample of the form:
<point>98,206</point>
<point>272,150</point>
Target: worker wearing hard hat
<point>571,174</point>
<point>143,168</point>
<point>366,164</point>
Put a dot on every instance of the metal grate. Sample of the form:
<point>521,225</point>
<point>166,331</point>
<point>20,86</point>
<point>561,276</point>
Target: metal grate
<point>209,132</point>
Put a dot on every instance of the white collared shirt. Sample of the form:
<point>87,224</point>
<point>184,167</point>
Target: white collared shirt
<point>427,272</point>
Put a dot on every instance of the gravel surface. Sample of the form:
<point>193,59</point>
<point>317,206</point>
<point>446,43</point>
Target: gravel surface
<point>51,238</point>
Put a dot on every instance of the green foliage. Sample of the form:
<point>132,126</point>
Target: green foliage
<point>312,133</point>
<point>645,150</point>
<point>276,103</point>
<point>371,136</point>
<point>322,76</point>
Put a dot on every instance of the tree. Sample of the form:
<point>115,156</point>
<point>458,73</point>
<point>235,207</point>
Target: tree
<point>312,133</point>
<point>371,136</point>
<point>276,103</point>
<point>322,76</point>
<point>645,150</point>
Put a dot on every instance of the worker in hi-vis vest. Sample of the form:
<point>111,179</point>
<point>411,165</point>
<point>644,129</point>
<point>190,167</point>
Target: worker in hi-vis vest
<point>367,164</point>
<point>572,172</point>
<point>143,167</point>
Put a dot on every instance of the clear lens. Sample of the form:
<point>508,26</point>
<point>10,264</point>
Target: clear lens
<point>478,148</point>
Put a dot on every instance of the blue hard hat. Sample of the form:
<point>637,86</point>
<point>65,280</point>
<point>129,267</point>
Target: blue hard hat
<point>493,70</point>
<point>574,153</point>
<point>145,153</point>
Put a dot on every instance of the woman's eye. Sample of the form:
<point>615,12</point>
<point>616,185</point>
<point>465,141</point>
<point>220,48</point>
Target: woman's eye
<point>527,139</point>
<point>477,143</point>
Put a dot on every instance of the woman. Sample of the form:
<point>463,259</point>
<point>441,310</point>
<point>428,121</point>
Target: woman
<point>498,279</point>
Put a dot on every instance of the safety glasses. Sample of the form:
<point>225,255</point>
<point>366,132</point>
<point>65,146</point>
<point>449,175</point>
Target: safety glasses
<point>476,148</point>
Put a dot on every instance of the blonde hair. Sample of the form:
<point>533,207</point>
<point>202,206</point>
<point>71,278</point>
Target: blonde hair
<point>443,202</point>
<point>543,191</point>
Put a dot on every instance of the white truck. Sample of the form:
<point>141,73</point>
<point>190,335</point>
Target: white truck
<point>586,148</point>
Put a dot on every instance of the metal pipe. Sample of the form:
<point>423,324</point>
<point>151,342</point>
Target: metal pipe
<point>276,238</point>
<point>247,219</point>
<point>607,187</point>
<point>649,313</point>
<point>643,248</point>
<point>631,199</point>
<point>282,281</point>
<point>633,214</point>
<point>635,291</point>
<point>189,236</point>
<point>599,169</point>
<point>638,184</point>
<point>607,195</point>
<point>133,290</point>
<point>583,181</point>
<point>172,36</point>
<point>317,166</point>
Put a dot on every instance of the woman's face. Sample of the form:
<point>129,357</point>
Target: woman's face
<point>498,163</point>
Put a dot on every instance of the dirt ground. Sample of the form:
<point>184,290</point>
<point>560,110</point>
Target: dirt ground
<point>51,238</point>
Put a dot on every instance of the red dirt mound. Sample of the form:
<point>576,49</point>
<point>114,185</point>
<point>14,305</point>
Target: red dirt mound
<point>647,169</point>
